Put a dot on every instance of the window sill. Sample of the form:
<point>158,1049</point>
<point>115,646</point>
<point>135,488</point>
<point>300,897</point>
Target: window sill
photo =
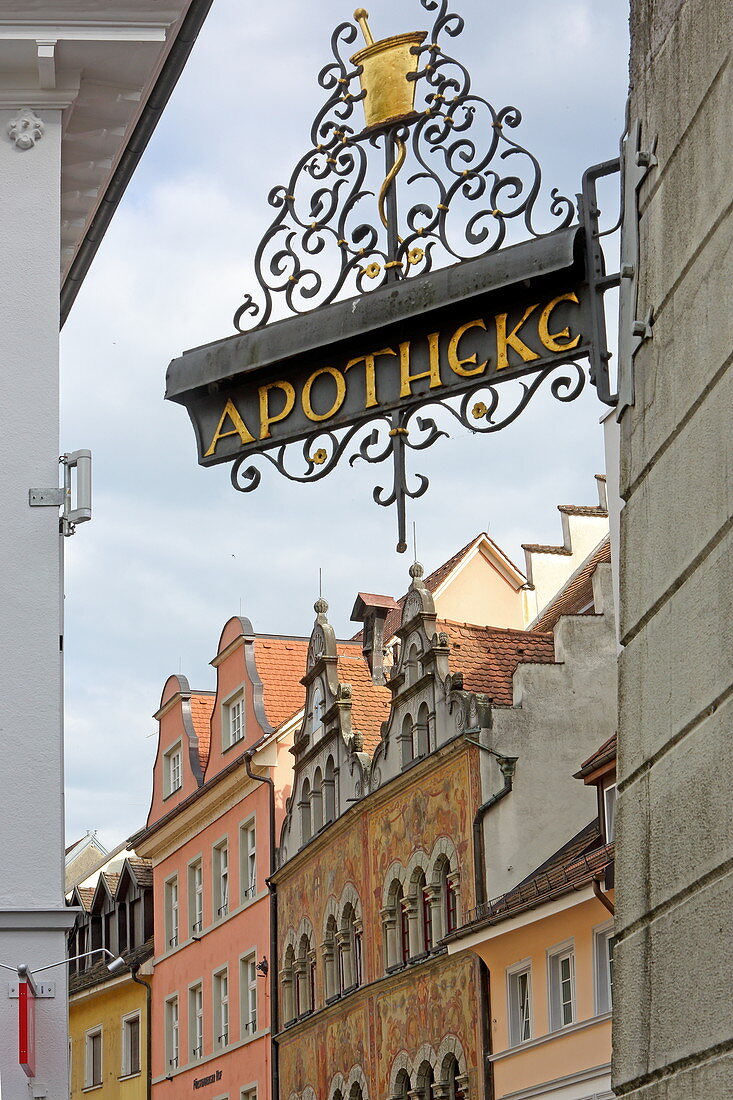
<point>539,1040</point>
<point>93,1088</point>
<point>129,1076</point>
<point>165,799</point>
<point>233,745</point>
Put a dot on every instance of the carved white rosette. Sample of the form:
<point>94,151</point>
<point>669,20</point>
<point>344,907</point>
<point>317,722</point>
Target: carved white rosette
<point>26,129</point>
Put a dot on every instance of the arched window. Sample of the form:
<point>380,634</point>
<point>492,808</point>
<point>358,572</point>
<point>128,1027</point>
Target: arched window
<point>422,731</point>
<point>425,1080</point>
<point>330,960</point>
<point>305,983</point>
<point>287,981</point>
<point>450,1072</point>
<point>305,813</point>
<point>349,942</point>
<point>329,792</point>
<point>318,703</point>
<point>403,1085</point>
<point>447,884</point>
<point>395,928</point>
<point>424,912</point>
<point>412,665</point>
<point>317,802</point>
<point>406,740</point>
<point>355,1092</point>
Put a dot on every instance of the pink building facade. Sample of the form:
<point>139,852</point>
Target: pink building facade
<point>221,777</point>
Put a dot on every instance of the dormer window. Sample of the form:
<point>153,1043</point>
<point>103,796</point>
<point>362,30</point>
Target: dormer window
<point>233,724</point>
<point>173,772</point>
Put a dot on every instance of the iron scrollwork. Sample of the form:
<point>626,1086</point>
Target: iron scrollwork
<point>392,435</point>
<point>467,189</point>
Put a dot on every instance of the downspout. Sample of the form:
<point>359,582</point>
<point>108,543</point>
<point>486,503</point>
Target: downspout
<point>507,765</point>
<point>148,1029</point>
<point>486,1037</point>
<point>603,898</point>
<point>274,1061</point>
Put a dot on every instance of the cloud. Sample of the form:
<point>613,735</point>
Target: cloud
<point>172,551</point>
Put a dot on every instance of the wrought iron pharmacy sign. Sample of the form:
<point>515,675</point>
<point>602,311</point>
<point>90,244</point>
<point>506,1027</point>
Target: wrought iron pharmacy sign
<point>420,308</point>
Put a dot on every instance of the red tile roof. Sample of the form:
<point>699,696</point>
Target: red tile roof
<point>86,894</point>
<point>369,701</point>
<point>576,864</point>
<point>577,592</point>
<point>281,664</point>
<point>202,707</point>
<point>604,755</point>
<point>143,870</point>
<point>488,656</point>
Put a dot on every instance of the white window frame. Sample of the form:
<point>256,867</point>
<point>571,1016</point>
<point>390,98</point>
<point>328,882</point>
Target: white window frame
<point>220,868</point>
<point>518,1021</point>
<point>609,811</point>
<point>248,1093</point>
<point>172,1032</point>
<point>127,1071</point>
<point>247,860</point>
<point>222,1022</point>
<point>90,1035</point>
<point>196,1020</point>
<point>555,957</point>
<point>248,995</point>
<point>602,935</point>
<point>196,896</point>
<point>233,724</point>
<point>172,773</point>
<point>172,912</point>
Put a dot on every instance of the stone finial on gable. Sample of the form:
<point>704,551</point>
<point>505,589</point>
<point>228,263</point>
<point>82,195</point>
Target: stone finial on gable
<point>419,598</point>
<point>323,638</point>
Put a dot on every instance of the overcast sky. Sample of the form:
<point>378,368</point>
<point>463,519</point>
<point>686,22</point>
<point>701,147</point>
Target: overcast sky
<point>173,551</point>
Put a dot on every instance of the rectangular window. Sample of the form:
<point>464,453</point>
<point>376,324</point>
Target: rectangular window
<point>609,812</point>
<point>173,775</point>
<point>248,1094</point>
<point>520,1005</point>
<point>603,951</point>
<point>196,1021</point>
<point>93,1066</point>
<point>247,861</point>
<point>561,965</point>
<point>171,1032</point>
<point>196,897</point>
<point>131,1045</point>
<point>233,722</point>
<point>221,880</point>
<point>171,912</point>
<point>221,1010</point>
<point>248,995</point>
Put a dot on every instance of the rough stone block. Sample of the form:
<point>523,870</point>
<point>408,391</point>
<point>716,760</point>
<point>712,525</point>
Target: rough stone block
<point>679,663</point>
<point>675,822</point>
<point>711,1080</point>
<point>680,506</point>
<point>675,972</point>
<point>670,373</point>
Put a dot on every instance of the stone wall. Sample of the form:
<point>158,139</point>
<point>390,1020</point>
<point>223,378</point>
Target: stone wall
<point>674,968</point>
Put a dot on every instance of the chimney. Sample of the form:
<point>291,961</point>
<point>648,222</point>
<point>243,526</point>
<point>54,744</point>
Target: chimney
<point>371,611</point>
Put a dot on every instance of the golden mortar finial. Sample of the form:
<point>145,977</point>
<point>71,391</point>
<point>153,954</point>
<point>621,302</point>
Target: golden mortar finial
<point>385,66</point>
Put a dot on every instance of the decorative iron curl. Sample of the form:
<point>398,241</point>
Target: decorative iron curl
<point>474,182</point>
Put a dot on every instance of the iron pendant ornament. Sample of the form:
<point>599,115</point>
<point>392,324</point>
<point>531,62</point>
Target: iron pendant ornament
<point>446,290</point>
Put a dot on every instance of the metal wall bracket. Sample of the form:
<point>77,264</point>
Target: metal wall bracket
<point>636,163</point>
<point>43,990</point>
<point>81,461</point>
<point>598,281</point>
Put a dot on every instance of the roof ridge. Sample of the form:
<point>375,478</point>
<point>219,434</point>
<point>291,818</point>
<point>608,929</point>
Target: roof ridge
<point>540,548</point>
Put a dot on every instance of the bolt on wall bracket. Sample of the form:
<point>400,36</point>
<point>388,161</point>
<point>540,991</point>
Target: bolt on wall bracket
<point>81,512</point>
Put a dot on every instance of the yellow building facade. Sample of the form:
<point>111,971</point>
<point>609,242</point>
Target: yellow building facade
<point>108,1026</point>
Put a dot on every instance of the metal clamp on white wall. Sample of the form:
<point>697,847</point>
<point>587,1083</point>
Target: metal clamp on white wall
<point>76,501</point>
<point>633,331</point>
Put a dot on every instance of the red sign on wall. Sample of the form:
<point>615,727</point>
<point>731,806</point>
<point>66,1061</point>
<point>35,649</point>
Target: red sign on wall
<point>27,1027</point>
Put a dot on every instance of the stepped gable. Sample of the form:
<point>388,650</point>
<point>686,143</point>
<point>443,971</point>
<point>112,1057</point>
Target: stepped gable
<point>280,665</point>
<point>369,701</point>
<point>202,707</point>
<point>576,594</point>
<point>488,656</point>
